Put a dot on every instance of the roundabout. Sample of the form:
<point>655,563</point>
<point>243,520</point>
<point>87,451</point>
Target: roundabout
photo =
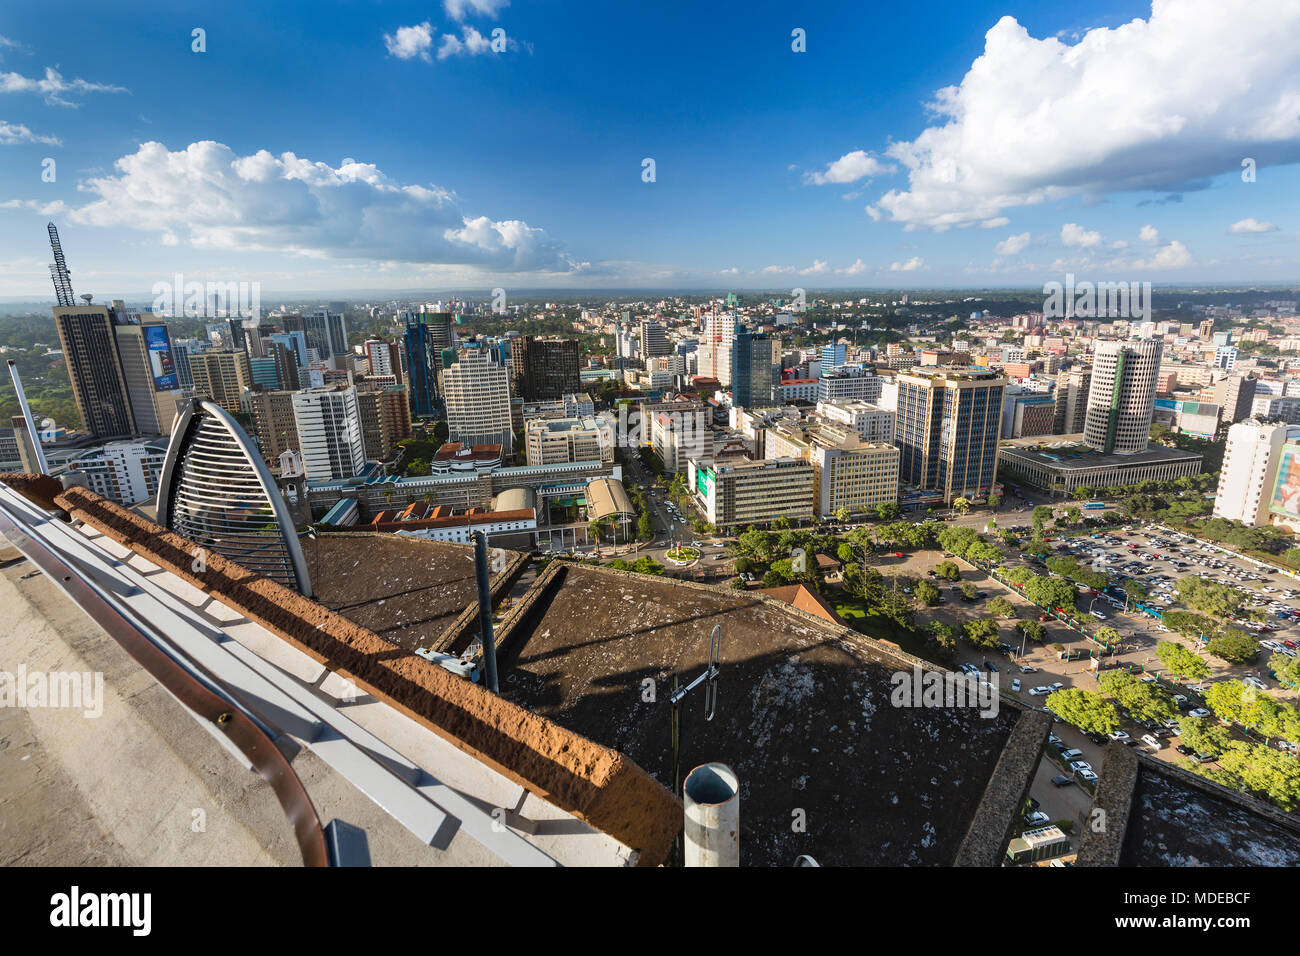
<point>682,555</point>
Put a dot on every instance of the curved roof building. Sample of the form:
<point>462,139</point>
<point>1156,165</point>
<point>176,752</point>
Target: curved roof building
<point>216,491</point>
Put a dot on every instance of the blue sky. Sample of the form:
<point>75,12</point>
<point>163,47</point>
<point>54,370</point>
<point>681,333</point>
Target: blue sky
<point>1071,138</point>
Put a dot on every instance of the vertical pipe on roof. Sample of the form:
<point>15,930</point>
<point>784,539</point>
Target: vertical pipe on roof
<point>712,804</point>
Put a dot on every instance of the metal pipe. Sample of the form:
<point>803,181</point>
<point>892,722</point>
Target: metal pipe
<point>27,417</point>
<point>712,805</point>
<point>485,612</point>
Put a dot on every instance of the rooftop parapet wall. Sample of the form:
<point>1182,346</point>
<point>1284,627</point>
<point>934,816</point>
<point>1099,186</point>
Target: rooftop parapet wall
<point>594,783</point>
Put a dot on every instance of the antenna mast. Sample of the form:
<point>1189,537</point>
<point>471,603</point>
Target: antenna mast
<point>59,270</point>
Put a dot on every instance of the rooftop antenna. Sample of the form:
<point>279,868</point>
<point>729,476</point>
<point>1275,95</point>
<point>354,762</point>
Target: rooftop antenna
<point>88,297</point>
<point>59,270</point>
<point>710,676</point>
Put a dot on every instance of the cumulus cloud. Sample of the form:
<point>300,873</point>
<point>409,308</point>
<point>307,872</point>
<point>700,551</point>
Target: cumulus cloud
<point>459,9</point>
<point>1149,233</point>
<point>849,168</point>
<point>43,209</point>
<point>11,134</point>
<point>818,267</point>
<point>210,197</point>
<point>472,44</point>
<point>1073,234</point>
<point>1161,104</point>
<point>911,265</point>
<point>1251,227</point>
<point>1173,256</point>
<point>857,268</point>
<point>53,86</point>
<point>410,42</point>
<point>1012,245</point>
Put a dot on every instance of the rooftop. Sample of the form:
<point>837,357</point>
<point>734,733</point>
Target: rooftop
<point>803,716</point>
<point>1065,452</point>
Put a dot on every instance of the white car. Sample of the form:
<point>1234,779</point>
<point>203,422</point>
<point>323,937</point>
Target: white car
<point>1055,687</point>
<point>1078,765</point>
<point>1201,712</point>
<point>1015,683</point>
<point>1026,669</point>
<point>1118,735</point>
<point>1254,682</point>
<point>1036,691</point>
<point>1098,615</point>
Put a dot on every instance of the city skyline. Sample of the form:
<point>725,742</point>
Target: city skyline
<point>827,149</point>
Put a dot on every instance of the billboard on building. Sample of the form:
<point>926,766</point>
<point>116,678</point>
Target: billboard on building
<point>1286,489</point>
<point>162,365</point>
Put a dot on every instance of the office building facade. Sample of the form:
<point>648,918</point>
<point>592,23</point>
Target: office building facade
<point>947,430</point>
<point>1121,399</point>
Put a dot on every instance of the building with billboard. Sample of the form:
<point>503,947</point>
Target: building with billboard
<point>1284,498</point>
<point>753,492</point>
<point>1248,476</point>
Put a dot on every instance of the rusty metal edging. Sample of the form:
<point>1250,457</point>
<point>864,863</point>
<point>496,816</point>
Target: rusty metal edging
<point>237,727</point>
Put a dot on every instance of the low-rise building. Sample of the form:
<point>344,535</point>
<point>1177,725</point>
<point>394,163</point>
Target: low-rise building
<point>737,493</point>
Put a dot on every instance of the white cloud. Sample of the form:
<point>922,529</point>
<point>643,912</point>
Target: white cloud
<point>43,209</point>
<point>1073,234</point>
<point>53,86</point>
<point>1251,227</point>
<point>857,268</point>
<point>12,44</point>
<point>12,134</point>
<point>849,168</point>
<point>473,44</point>
<point>995,223</point>
<point>818,267</point>
<point>1012,245</point>
<point>1153,105</point>
<point>410,42</point>
<point>729,272</point>
<point>778,270</point>
<point>1149,233</point>
<point>911,265</point>
<point>459,9</point>
<point>209,197</point>
<point>1173,256</point>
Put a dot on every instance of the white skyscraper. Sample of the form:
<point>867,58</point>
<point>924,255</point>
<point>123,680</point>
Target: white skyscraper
<point>715,347</point>
<point>1122,399</point>
<point>329,432</point>
<point>1249,471</point>
<point>477,391</point>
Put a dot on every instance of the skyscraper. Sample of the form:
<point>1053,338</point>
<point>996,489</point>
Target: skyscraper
<point>477,393</point>
<point>95,369</point>
<point>1072,400</point>
<point>715,347</point>
<point>427,334</point>
<point>1121,400</point>
<point>150,370</point>
<point>329,432</point>
<point>947,430</point>
<point>549,366</point>
<point>755,369</point>
<point>654,340</point>
<point>222,377</point>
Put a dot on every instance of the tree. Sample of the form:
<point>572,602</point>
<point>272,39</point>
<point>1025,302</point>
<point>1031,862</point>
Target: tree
<point>1089,711</point>
<point>1073,515</point>
<point>644,527</point>
<point>773,579</point>
<point>1001,607</point>
<point>841,514</point>
<point>961,504</point>
<point>845,552</point>
<point>926,593</point>
<point>947,570</point>
<point>887,510</point>
<point>994,501</point>
<point>1051,593</point>
<point>743,565</point>
<point>969,590</point>
<point>1286,670</point>
<point>1182,662</point>
<point>981,632</point>
<point>1107,635</point>
<point>738,583</point>
<point>1233,646</point>
<point>1042,515</point>
<point>1204,735</point>
<point>1032,630</point>
<point>1144,702</point>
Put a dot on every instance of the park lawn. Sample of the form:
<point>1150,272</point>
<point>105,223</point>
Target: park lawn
<point>874,624</point>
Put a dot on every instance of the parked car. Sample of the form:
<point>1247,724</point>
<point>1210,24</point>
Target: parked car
<point>1151,740</point>
<point>1078,765</point>
<point>1037,818</point>
<point>1061,780</point>
<point>1087,775</point>
<point>1185,750</point>
<point>1026,669</point>
<point>1068,755</point>
<point>1118,735</point>
<point>1015,684</point>
<point>1037,691</point>
<point>1201,712</point>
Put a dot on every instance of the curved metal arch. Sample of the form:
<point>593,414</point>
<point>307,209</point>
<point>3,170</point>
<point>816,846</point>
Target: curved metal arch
<point>195,471</point>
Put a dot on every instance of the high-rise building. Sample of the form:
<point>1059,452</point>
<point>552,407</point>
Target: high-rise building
<point>421,366</point>
<point>1249,471</point>
<point>715,347</point>
<point>1071,401</point>
<point>871,422</point>
<point>851,383</point>
<point>1225,357</point>
<point>755,369</point>
<point>547,368</point>
<point>834,355</point>
<point>384,358</point>
<point>274,423</point>
<point>1234,394</point>
<point>123,471</point>
<point>477,393</point>
<point>327,333</point>
<point>654,339</point>
<point>95,369</point>
<point>678,432</point>
<point>329,432</point>
<point>947,428</point>
<point>153,381</point>
<point>1121,400</point>
<point>385,419</point>
<point>222,377</point>
<point>554,441</point>
<point>848,472</point>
